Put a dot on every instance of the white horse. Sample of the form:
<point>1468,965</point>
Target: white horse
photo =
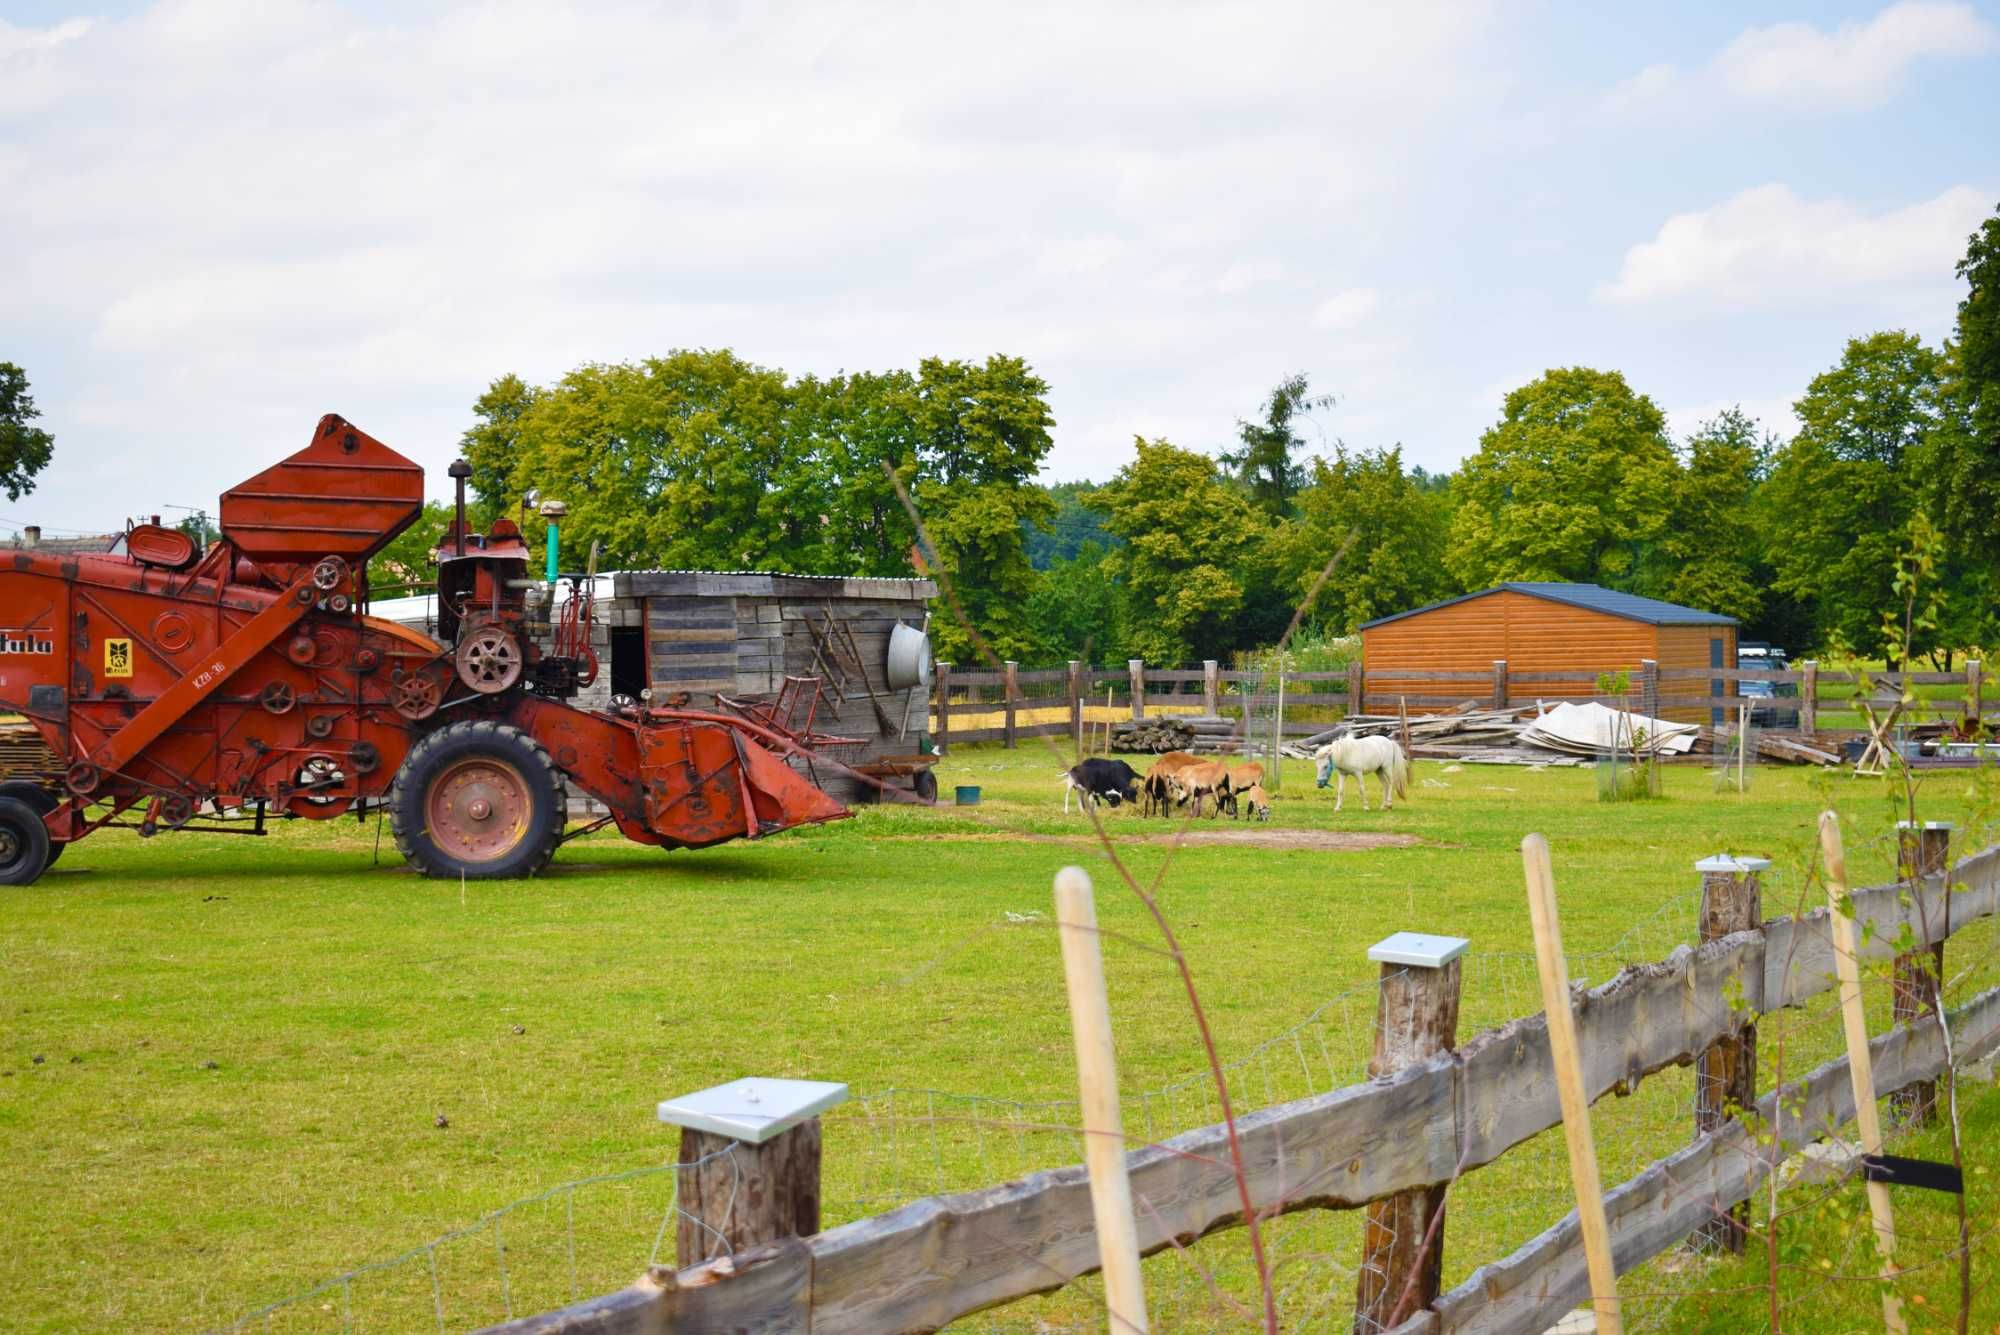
<point>1361,757</point>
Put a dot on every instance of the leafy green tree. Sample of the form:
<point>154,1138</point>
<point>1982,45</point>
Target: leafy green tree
<point>984,431</point>
<point>1075,611</point>
<point>1187,532</point>
<point>1399,527</point>
<point>1842,493</point>
<point>404,566</point>
<point>846,429</point>
<point>494,449</point>
<point>1572,483</point>
<point>1966,456</point>
<point>1264,458</point>
<point>1707,555</point>
<point>1074,525</point>
<point>25,449</point>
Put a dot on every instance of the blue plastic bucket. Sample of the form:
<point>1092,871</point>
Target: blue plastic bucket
<point>968,795</point>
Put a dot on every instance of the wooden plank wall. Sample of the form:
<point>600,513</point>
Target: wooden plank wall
<point>1537,638</point>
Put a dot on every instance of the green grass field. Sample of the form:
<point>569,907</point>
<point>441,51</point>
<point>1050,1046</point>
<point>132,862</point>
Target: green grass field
<point>226,1060</point>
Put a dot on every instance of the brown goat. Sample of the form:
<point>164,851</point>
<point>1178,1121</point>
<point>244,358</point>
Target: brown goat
<point>1158,789</point>
<point>1246,775</point>
<point>1256,806</point>
<point>1204,780</point>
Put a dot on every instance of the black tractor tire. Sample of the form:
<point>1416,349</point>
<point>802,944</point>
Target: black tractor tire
<point>924,785</point>
<point>24,843</point>
<point>42,800</point>
<point>494,796</point>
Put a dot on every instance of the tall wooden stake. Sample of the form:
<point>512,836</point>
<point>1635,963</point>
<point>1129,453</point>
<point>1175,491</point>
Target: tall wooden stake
<point>1742,746</point>
<point>1569,1084</point>
<point>1097,1083</point>
<point>1860,1063</point>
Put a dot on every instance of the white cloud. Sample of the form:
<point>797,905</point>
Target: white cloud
<point>1344,310</point>
<point>1853,66</point>
<point>19,41</point>
<point>249,212</point>
<point>1769,247</point>
<point>1772,415</point>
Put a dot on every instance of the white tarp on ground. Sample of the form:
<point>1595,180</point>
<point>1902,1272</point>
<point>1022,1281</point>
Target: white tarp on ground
<point>1594,730</point>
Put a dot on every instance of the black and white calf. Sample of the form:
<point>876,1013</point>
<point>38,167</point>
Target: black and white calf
<point>1113,780</point>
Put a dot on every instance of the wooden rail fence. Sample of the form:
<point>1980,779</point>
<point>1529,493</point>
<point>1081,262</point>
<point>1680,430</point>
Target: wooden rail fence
<point>1310,697</point>
<point>935,1260</point>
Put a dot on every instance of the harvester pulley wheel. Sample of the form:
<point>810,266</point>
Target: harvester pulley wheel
<point>366,660</point>
<point>278,697</point>
<point>319,726</point>
<point>315,779</point>
<point>176,810</point>
<point>24,842</point>
<point>364,756</point>
<point>415,695</point>
<point>489,660</point>
<point>302,650</point>
<point>339,604</point>
<point>477,799</point>
<point>329,573</point>
<point>82,778</point>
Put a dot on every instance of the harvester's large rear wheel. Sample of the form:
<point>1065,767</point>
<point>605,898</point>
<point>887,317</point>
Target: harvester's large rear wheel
<point>480,800</point>
<point>43,801</point>
<point>24,842</point>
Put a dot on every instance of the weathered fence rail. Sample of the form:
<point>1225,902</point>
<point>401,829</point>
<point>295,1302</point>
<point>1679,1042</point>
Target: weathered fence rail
<point>934,1260</point>
<point>1134,687</point>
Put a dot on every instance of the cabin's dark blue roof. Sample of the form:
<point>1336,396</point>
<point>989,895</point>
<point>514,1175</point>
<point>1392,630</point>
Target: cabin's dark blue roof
<point>1595,597</point>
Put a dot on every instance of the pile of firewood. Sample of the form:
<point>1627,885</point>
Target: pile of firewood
<point>1152,735</point>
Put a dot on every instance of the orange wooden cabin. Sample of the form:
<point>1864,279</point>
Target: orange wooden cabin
<point>1555,639</point>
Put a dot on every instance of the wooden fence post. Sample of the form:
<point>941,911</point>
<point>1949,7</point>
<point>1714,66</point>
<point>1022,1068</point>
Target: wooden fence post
<point>1922,849</point>
<point>1137,667</point>
<point>1974,672</point>
<point>1211,687</point>
<point>1649,687</point>
<point>1499,683</point>
<point>1357,688</point>
<point>749,1156</point>
<point>1416,1018</point>
<point>1011,684</point>
<point>1726,1074</point>
<point>1074,689</point>
<point>1809,697</point>
<point>943,730</point>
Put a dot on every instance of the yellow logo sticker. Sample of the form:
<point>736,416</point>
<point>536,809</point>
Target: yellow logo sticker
<point>118,658</point>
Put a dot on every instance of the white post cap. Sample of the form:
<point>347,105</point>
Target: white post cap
<point>1925,825</point>
<point>1415,948</point>
<point>1730,864</point>
<point>753,1109</point>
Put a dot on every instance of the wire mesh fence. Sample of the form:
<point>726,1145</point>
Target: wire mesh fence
<point>888,1147</point>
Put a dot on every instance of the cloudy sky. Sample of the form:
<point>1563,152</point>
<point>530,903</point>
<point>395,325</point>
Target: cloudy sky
<point>221,218</point>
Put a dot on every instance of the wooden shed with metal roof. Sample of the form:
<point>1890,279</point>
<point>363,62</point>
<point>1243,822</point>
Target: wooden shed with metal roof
<point>1554,638</point>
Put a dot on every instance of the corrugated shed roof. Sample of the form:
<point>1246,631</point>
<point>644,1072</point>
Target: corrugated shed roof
<point>1595,597</point>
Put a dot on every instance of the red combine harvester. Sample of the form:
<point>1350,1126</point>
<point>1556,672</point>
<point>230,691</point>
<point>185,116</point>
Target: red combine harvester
<point>178,685</point>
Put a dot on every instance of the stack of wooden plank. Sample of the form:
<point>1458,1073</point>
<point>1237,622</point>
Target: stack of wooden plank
<point>1487,736</point>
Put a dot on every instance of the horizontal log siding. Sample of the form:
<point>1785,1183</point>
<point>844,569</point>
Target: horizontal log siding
<point>1688,647</point>
<point>1553,651</point>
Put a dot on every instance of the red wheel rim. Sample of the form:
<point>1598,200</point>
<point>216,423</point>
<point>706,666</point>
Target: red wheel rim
<point>478,809</point>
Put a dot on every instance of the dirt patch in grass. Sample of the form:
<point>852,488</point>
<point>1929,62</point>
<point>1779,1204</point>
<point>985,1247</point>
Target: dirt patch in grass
<point>1324,841</point>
